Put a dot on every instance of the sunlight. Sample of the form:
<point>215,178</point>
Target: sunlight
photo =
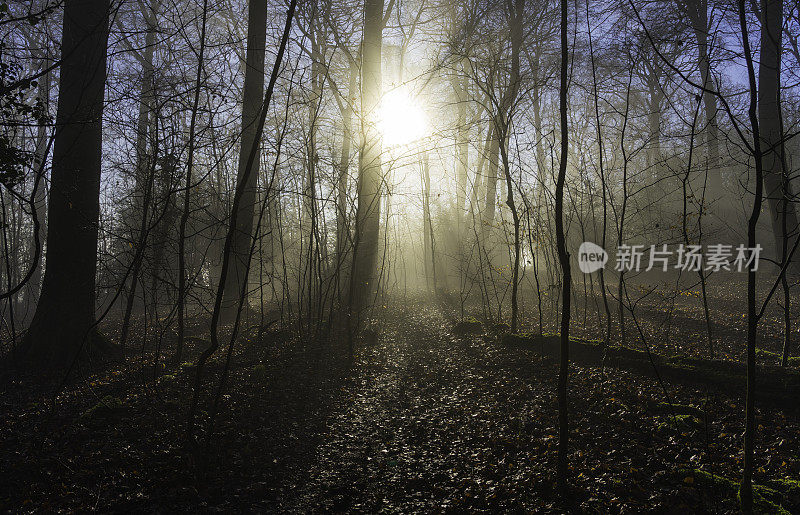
<point>401,119</point>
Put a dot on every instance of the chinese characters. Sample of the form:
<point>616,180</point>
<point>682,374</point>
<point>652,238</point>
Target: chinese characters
<point>690,258</point>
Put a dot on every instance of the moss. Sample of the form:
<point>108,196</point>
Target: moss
<point>767,356</point>
<point>790,488</point>
<point>727,372</point>
<point>527,336</point>
<point>168,378</point>
<point>598,343</point>
<point>765,499</point>
<point>104,406</point>
<point>777,386</point>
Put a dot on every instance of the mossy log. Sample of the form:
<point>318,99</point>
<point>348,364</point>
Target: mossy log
<point>777,387</point>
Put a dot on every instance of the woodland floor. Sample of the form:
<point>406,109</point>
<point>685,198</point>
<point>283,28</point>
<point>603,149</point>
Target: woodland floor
<point>421,421</point>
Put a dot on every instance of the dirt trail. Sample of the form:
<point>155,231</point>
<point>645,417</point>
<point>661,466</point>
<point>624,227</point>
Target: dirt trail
<point>433,421</point>
<point>391,443</point>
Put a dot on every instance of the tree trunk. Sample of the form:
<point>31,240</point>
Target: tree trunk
<point>697,11</point>
<point>182,288</point>
<point>563,257</point>
<point>40,199</point>
<point>363,279</point>
<point>146,96</point>
<point>252,98</point>
<point>258,130</point>
<point>65,313</point>
<point>655,97</point>
<point>746,485</point>
<point>776,183</point>
<point>313,266</point>
<point>491,181</point>
<point>342,224</point>
<point>516,21</point>
<point>427,224</point>
<point>603,184</point>
<point>144,163</point>
<point>537,121</point>
<point>462,152</point>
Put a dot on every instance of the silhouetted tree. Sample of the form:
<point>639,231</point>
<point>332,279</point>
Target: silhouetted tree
<point>65,313</point>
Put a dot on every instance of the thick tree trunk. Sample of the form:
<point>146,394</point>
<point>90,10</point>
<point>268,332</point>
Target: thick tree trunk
<point>236,276</point>
<point>65,312</point>
<point>776,183</point>
<point>364,277</point>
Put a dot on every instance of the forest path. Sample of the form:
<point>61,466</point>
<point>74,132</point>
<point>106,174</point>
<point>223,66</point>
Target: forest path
<point>430,422</point>
<point>421,425</point>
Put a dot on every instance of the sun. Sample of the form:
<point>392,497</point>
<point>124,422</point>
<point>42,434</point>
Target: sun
<point>401,119</point>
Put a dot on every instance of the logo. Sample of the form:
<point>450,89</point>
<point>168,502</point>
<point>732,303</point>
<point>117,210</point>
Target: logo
<point>690,258</point>
<point>591,257</point>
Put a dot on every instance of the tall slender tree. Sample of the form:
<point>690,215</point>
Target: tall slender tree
<point>187,194</point>
<point>364,278</point>
<point>145,162</point>
<point>503,125</point>
<point>746,484</point>
<point>342,222</point>
<point>251,103</point>
<point>563,258</point>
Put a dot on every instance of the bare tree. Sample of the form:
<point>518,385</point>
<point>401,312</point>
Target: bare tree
<point>65,313</point>
<point>367,224</point>
<point>563,257</point>
<point>236,277</point>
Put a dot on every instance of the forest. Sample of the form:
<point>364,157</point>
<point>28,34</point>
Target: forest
<point>400,256</point>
